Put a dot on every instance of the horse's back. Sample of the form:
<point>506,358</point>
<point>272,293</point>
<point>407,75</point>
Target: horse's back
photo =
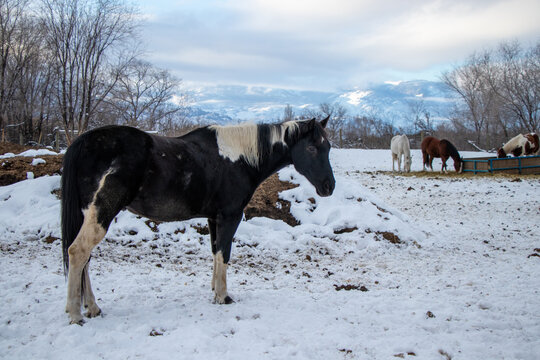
<point>429,144</point>
<point>400,144</point>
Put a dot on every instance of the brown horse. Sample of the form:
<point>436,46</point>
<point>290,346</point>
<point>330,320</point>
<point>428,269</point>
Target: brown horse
<point>433,147</point>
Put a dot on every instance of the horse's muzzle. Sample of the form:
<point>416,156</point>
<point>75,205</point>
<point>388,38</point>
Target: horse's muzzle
<point>327,188</point>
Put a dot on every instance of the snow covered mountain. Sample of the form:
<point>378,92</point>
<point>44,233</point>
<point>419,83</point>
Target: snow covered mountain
<point>390,101</point>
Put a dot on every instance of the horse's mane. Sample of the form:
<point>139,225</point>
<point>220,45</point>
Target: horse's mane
<point>253,142</point>
<point>452,151</point>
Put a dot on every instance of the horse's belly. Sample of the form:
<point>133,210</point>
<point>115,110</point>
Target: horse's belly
<point>162,209</point>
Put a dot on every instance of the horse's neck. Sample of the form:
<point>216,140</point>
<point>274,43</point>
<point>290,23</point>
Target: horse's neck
<point>274,162</point>
<point>406,151</point>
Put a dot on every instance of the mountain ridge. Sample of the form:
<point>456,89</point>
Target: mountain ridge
<point>389,101</point>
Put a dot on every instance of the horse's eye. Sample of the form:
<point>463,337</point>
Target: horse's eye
<point>312,149</point>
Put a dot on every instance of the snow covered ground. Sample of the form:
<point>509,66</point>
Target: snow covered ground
<point>460,278</point>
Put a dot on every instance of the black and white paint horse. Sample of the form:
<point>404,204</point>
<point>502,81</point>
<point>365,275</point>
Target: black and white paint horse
<point>210,172</point>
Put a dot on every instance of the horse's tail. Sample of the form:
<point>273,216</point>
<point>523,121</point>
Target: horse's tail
<point>72,216</point>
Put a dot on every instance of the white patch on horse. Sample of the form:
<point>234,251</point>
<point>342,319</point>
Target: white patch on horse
<point>238,141</point>
<point>517,141</point>
<point>219,278</point>
<point>90,234</point>
<point>292,126</point>
<point>277,133</point>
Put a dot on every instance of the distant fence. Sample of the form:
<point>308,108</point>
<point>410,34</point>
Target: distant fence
<point>524,165</point>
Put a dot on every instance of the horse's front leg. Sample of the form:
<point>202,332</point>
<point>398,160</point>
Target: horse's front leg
<point>224,229</point>
<point>443,167</point>
<point>212,230</point>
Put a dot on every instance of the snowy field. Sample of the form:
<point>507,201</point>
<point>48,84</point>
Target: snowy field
<point>389,267</point>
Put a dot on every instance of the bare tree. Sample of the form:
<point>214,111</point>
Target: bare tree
<point>82,35</point>
<point>11,16</point>
<point>420,116</point>
<point>288,113</point>
<point>145,95</point>
<point>32,79</point>
<point>516,80</point>
<point>470,83</point>
<point>336,123</point>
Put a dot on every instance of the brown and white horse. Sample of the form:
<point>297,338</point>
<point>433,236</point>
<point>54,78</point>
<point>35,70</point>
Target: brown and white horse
<point>433,147</point>
<point>520,145</point>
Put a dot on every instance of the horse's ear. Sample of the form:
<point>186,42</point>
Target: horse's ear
<point>325,121</point>
<point>307,126</point>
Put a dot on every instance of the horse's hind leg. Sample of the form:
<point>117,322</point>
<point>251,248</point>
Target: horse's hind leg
<point>88,296</point>
<point>110,197</point>
<point>394,158</point>
<point>89,236</point>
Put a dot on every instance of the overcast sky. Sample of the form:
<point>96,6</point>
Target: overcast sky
<point>327,45</point>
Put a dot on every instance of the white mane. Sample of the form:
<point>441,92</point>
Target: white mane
<point>235,141</point>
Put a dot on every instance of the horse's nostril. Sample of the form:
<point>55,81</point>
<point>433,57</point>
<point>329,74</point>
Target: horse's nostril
<point>327,186</point>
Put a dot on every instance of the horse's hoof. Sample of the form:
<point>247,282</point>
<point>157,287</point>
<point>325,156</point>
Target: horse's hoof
<point>93,312</point>
<point>227,300</point>
<point>77,322</point>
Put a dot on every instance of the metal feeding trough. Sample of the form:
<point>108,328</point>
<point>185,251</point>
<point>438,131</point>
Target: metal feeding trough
<point>524,165</point>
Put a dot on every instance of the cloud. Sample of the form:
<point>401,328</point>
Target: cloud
<point>317,43</point>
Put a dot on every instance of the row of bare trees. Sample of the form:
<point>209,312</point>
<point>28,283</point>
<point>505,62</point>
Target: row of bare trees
<point>499,93</point>
<point>72,65</point>
<point>348,131</point>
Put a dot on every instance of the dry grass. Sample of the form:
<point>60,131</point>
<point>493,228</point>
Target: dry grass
<point>455,175</point>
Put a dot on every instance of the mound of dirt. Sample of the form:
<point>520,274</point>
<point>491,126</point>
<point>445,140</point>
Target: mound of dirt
<point>7,147</point>
<point>15,169</point>
<point>265,201</point>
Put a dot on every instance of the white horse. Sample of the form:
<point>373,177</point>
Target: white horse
<point>400,146</point>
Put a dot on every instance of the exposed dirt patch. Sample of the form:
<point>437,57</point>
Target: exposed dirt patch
<point>266,203</point>
<point>349,287</point>
<point>15,169</point>
<point>389,236</point>
<point>345,230</point>
<point>6,147</point>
